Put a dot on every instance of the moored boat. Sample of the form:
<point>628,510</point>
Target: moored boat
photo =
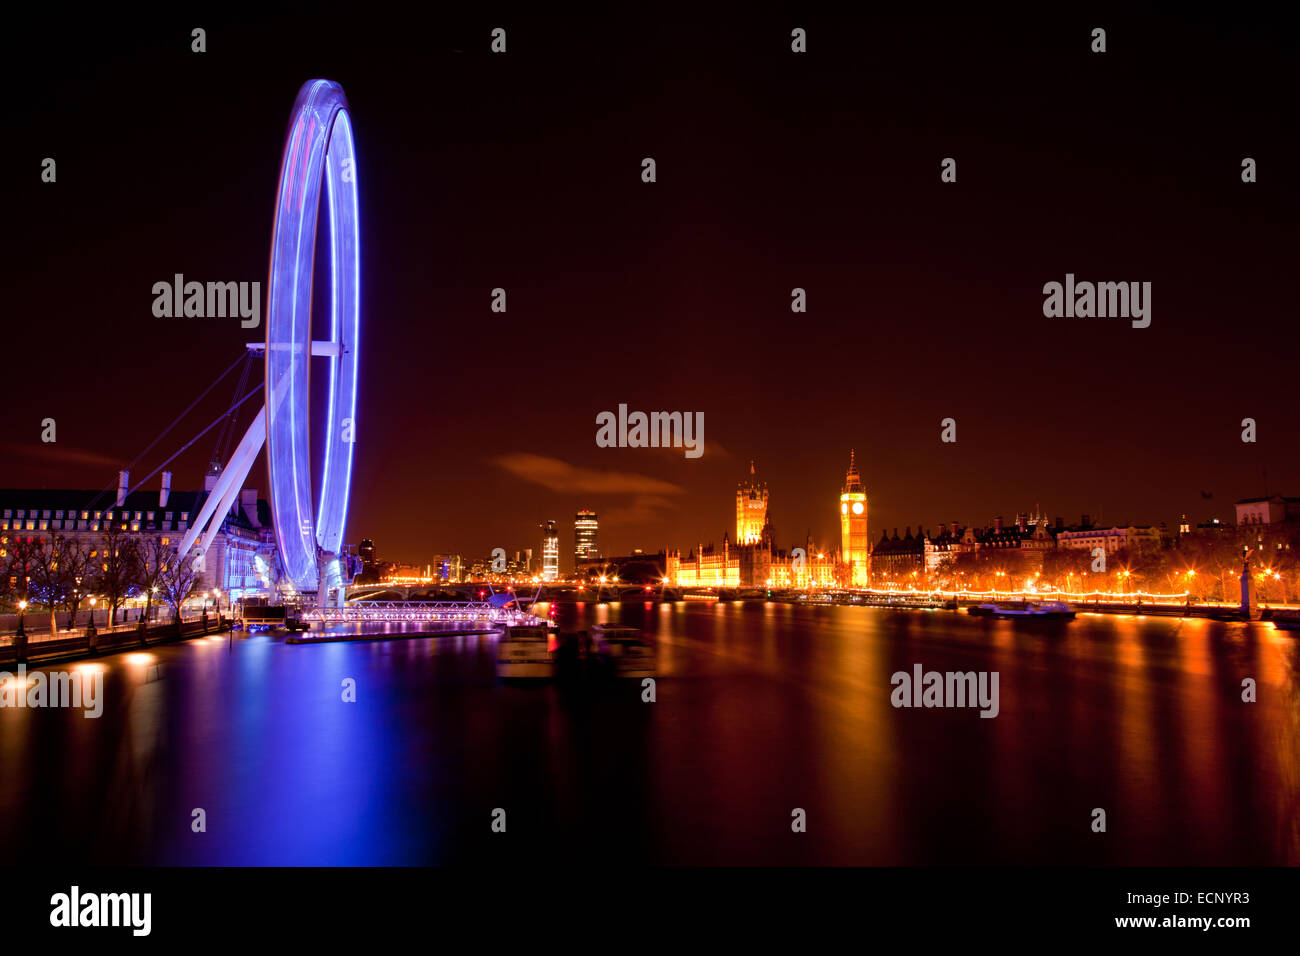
<point>1040,609</point>
<point>626,649</point>
<point>523,653</point>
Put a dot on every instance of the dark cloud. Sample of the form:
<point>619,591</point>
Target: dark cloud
<point>557,475</point>
<point>53,454</point>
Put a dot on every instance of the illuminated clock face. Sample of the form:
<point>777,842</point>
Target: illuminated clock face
<point>857,507</point>
<point>844,509</point>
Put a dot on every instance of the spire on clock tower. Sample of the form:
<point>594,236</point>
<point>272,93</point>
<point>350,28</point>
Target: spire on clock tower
<point>852,480</point>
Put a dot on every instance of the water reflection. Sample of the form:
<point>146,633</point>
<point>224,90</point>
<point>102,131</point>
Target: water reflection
<point>761,708</point>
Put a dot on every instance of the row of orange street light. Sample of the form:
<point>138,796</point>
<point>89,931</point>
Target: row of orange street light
<point>1033,584</point>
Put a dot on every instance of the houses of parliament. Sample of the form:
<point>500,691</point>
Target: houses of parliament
<point>753,560</point>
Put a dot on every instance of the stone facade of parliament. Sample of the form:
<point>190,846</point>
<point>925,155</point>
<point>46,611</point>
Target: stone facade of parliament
<point>753,560</point>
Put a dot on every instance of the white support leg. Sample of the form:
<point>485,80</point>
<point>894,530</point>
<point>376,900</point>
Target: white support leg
<point>241,463</point>
<point>232,477</point>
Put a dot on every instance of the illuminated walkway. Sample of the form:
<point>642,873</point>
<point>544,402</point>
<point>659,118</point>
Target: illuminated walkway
<point>420,611</point>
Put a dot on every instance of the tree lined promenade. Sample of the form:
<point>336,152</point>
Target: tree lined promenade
<point>66,580</point>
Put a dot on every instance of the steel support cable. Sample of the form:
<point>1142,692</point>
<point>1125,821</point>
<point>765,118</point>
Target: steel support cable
<point>222,444</point>
<point>216,421</point>
<point>159,437</point>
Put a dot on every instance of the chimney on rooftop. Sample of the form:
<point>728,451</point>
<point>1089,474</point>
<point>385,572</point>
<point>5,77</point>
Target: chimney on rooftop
<point>165,490</point>
<point>123,482</point>
<point>997,523</point>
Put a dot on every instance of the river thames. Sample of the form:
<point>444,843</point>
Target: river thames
<point>760,709</point>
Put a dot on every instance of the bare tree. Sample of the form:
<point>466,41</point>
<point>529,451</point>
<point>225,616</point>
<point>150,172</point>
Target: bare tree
<point>54,575</point>
<point>42,577</point>
<point>151,558</point>
<point>178,578</point>
<point>16,559</point>
<point>116,566</point>
<point>80,567</point>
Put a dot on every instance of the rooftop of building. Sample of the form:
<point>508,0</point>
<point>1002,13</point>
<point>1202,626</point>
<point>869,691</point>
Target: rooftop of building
<point>76,501</point>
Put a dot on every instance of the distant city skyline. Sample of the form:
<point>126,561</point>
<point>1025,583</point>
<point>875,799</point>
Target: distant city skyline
<point>1212,507</point>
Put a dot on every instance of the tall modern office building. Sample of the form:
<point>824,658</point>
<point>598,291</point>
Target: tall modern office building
<point>584,537</point>
<point>366,552</point>
<point>447,568</point>
<point>550,552</point>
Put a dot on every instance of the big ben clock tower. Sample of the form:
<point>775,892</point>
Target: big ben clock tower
<point>853,527</point>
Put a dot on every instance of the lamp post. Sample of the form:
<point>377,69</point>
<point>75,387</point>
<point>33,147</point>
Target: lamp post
<point>92,636</point>
<point>141,624</point>
<point>20,636</point>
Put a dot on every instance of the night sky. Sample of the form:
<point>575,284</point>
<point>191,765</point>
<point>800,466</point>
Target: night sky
<point>775,170</point>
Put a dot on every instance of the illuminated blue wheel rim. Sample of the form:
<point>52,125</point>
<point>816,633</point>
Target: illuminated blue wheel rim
<point>319,148</point>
